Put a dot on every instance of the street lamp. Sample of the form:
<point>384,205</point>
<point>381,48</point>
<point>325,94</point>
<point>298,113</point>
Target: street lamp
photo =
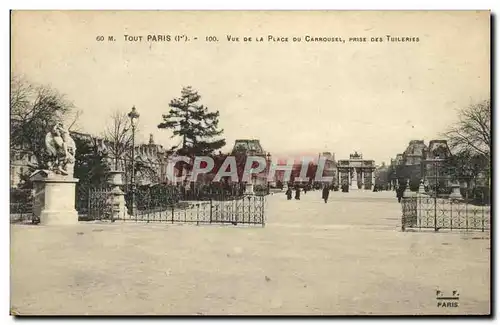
<point>134,116</point>
<point>268,160</point>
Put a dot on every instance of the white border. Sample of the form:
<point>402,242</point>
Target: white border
<point>190,5</point>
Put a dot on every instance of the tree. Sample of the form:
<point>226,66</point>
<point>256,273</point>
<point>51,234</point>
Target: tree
<point>33,111</point>
<point>90,162</point>
<point>472,133</point>
<point>118,137</point>
<point>146,170</point>
<point>196,126</point>
<point>467,166</point>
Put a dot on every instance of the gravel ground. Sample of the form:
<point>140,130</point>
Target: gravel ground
<point>346,257</point>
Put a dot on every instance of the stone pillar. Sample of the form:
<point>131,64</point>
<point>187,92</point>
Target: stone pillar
<point>118,204</point>
<point>54,198</point>
<point>408,192</point>
<point>455,191</point>
<point>421,197</point>
<point>249,188</point>
<point>362,179</point>
<point>421,188</point>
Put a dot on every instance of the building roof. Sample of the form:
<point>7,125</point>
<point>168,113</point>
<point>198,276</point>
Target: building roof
<point>439,149</point>
<point>250,146</point>
<point>415,148</point>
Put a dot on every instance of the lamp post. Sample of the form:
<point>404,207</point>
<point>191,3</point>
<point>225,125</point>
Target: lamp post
<point>134,116</point>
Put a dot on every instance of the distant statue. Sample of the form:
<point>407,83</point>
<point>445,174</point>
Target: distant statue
<point>356,155</point>
<point>61,149</point>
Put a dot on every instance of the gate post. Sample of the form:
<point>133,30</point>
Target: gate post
<point>263,211</point>
<point>211,207</point>
<point>409,211</point>
<point>403,217</point>
<point>420,195</point>
<point>118,204</point>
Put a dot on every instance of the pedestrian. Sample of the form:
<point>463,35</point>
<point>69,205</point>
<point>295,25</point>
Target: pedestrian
<point>289,194</point>
<point>326,193</point>
<point>297,193</point>
<point>399,192</point>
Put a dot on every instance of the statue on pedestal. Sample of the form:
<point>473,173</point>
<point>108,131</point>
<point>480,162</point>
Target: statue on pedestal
<point>61,149</point>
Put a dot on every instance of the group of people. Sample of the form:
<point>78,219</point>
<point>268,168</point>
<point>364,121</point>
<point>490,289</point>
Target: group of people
<point>289,192</point>
<point>297,193</point>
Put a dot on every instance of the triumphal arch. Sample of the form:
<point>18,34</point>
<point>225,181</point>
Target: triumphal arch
<point>356,172</point>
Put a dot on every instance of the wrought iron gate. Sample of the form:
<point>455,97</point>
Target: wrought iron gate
<point>93,203</point>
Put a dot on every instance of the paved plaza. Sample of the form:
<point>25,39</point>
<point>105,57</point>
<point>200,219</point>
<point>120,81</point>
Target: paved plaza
<point>346,257</point>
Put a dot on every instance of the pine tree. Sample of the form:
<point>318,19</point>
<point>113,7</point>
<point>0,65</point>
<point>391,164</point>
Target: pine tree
<point>192,121</point>
<point>91,167</point>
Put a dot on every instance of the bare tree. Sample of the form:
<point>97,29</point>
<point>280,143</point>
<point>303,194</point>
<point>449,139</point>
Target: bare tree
<point>118,137</point>
<point>73,119</point>
<point>33,111</point>
<point>472,133</point>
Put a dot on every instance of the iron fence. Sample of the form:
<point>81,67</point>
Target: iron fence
<point>21,206</point>
<point>162,203</point>
<point>440,213</point>
<point>244,209</point>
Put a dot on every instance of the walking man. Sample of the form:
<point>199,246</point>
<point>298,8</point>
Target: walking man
<point>326,193</point>
<point>297,193</point>
<point>399,192</point>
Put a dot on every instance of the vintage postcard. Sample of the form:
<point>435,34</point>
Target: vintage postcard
<point>250,163</point>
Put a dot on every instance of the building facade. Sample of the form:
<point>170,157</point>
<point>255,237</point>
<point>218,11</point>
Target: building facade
<point>330,168</point>
<point>22,161</point>
<point>252,147</point>
<point>151,160</point>
<point>421,163</point>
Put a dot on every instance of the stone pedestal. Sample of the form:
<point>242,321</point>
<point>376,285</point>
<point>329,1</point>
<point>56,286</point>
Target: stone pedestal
<point>249,188</point>
<point>455,191</point>
<point>54,198</point>
<point>118,204</point>
<point>353,184</point>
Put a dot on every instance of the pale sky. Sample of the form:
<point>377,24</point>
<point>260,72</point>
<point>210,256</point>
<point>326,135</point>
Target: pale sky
<point>294,97</point>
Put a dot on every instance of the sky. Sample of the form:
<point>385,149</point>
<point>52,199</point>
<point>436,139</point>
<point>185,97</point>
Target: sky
<point>295,97</point>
